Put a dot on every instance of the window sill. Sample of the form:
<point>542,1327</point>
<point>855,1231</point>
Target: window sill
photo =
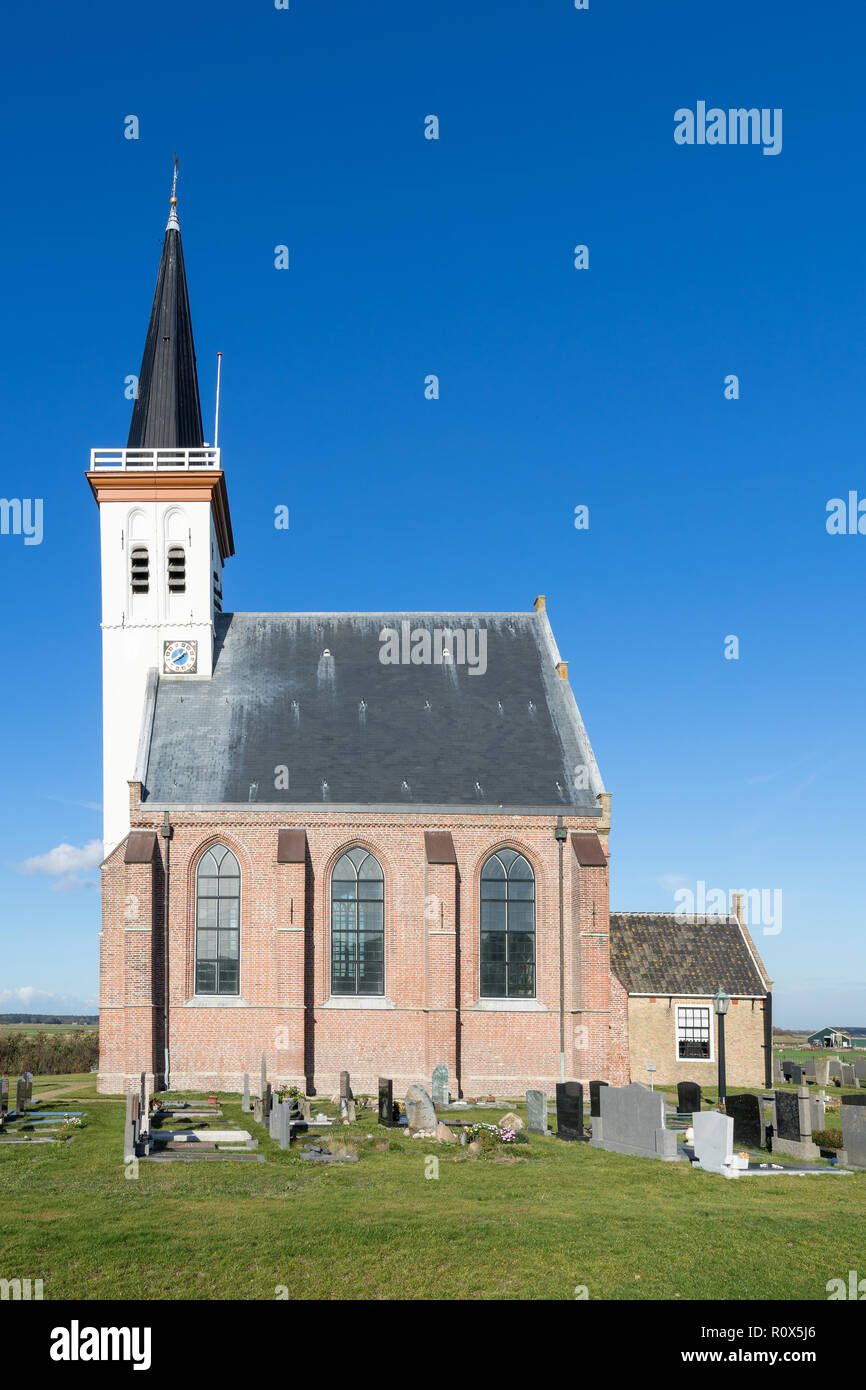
<point>216,1001</point>
<point>358,1001</point>
<point>503,1006</point>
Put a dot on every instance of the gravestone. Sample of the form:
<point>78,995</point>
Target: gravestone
<point>245,1099</point>
<point>345,1088</point>
<point>777,1070</point>
<point>817,1113</point>
<point>268,1102</point>
<point>351,1111</point>
<point>420,1112</point>
<point>386,1102</point>
<point>21,1095</point>
<point>854,1133</point>
<point>28,1079</point>
<point>688,1097</point>
<point>441,1094</point>
<point>264,1081</point>
<point>796,1074</point>
<point>835,1068</point>
<point>304,1108</point>
<point>714,1142</point>
<point>787,1122</point>
<point>258,1110</point>
<point>285,1126</point>
<point>747,1114</point>
<point>274,1119</point>
<point>793,1125</point>
<point>4,1095</point>
<point>536,1111</point>
<point>632,1121</point>
<point>854,1100</point>
<point>141,1093</point>
<point>787,1064</point>
<point>847,1074</point>
<point>130,1131</point>
<point>860,1068</point>
<point>822,1071</point>
<point>594,1102</point>
<point>569,1110</point>
<point>145,1107</point>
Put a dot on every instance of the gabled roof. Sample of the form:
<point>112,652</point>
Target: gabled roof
<point>167,412</point>
<point>674,953</point>
<point>310,693</point>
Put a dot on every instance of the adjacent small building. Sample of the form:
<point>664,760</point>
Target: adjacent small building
<point>669,966</point>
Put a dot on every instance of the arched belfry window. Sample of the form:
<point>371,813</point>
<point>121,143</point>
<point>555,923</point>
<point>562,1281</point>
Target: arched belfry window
<point>357,924</point>
<point>217,921</point>
<point>507,927</point>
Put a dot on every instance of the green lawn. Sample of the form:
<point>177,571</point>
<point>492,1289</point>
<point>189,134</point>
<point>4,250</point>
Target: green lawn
<point>566,1215</point>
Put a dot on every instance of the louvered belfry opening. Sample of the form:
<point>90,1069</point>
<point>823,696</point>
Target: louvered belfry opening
<point>167,411</point>
<point>139,569</point>
<point>176,569</point>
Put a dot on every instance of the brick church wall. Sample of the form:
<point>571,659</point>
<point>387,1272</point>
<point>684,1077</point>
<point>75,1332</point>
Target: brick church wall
<point>431,1011</point>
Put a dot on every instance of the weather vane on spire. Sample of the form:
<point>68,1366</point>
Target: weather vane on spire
<point>174,182</point>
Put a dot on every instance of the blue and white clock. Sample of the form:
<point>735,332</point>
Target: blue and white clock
<point>179,658</point>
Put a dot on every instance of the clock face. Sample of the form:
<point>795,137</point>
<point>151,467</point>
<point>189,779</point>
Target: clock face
<point>179,658</point>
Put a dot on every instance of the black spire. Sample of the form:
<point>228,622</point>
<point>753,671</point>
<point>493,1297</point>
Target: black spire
<point>167,412</point>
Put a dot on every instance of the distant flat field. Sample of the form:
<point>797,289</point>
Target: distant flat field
<point>31,1029</point>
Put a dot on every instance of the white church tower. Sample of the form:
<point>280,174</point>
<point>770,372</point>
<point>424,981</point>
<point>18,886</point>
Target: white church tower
<point>165,535</point>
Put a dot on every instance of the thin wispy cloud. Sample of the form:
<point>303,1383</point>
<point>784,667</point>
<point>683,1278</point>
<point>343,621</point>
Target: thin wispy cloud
<point>64,861</point>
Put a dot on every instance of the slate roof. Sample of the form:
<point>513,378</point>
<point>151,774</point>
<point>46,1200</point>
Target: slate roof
<point>167,412</point>
<point>672,953</point>
<point>308,692</point>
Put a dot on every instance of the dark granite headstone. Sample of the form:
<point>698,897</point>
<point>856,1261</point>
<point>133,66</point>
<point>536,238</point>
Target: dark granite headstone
<point>386,1102</point>
<point>854,1133</point>
<point>4,1094</point>
<point>267,1104</point>
<point>264,1080</point>
<point>688,1097</point>
<point>20,1095</point>
<point>594,1102</point>
<point>345,1088</point>
<point>854,1100</point>
<point>796,1074</point>
<point>569,1110</point>
<point>787,1116</point>
<point>748,1116</point>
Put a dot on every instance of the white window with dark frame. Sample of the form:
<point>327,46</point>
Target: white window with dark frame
<point>507,927</point>
<point>694,1033</point>
<point>357,924</point>
<point>217,922</point>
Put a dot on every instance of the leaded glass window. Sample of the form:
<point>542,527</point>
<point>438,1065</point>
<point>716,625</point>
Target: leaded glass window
<point>507,927</point>
<point>357,924</point>
<point>217,921</point>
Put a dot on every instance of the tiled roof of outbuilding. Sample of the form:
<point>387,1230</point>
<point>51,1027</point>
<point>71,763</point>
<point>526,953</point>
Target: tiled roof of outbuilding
<point>675,953</point>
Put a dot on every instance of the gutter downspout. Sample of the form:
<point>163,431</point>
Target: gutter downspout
<point>166,833</point>
<point>561,835</point>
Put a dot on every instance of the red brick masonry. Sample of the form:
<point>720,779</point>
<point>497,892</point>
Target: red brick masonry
<point>431,1012</point>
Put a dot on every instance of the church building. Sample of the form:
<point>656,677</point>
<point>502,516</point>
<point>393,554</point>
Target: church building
<point>375,842</point>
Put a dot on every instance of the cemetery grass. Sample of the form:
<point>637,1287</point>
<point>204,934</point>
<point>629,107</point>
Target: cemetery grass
<point>566,1216</point>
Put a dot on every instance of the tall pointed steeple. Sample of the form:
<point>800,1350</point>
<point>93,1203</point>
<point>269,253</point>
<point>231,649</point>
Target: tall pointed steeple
<point>167,411</point>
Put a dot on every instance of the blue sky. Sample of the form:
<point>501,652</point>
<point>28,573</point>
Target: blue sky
<point>558,387</point>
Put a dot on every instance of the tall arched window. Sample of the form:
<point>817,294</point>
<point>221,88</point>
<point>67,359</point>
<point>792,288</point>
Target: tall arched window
<point>357,924</point>
<point>507,927</point>
<point>218,923</point>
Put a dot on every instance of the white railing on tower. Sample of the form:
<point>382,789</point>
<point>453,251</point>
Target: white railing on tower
<point>127,460</point>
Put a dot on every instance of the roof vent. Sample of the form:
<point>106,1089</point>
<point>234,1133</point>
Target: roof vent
<point>540,603</point>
